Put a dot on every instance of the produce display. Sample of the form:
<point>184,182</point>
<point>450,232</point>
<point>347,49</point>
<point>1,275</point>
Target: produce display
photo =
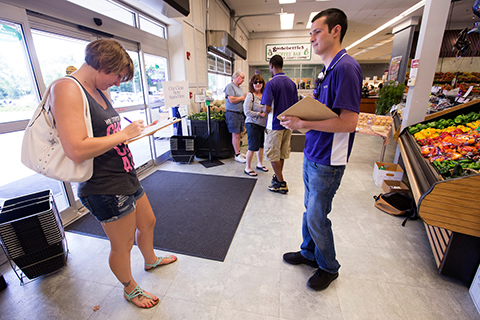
<point>463,81</point>
<point>452,146</point>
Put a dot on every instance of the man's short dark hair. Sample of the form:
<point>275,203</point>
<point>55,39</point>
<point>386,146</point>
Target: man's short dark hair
<point>277,61</point>
<point>334,16</point>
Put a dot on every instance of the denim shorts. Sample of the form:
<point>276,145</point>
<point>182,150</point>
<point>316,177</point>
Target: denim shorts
<point>110,207</point>
<point>256,136</point>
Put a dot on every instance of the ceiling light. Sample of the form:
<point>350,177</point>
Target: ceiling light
<point>286,21</point>
<point>388,24</point>
<point>286,1</point>
<point>313,14</point>
<point>376,45</point>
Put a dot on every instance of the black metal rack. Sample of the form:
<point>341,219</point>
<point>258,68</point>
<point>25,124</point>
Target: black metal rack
<point>32,235</point>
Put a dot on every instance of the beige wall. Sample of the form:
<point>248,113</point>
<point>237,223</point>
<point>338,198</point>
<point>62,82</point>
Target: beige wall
<point>190,36</point>
<point>461,65</point>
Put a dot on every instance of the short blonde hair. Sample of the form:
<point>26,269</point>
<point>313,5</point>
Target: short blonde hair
<point>110,57</point>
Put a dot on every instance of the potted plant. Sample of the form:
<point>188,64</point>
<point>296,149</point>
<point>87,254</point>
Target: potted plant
<point>389,95</point>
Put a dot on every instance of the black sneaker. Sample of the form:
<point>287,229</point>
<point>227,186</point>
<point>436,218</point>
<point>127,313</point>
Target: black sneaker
<point>297,258</point>
<point>321,280</point>
<point>277,186</point>
<point>274,179</point>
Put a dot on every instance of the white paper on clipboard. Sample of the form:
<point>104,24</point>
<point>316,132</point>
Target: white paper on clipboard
<point>309,109</point>
<point>152,129</point>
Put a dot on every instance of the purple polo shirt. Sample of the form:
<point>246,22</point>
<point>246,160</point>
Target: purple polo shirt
<point>280,93</point>
<point>340,89</point>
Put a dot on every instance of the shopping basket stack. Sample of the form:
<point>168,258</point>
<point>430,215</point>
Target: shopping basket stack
<point>32,235</point>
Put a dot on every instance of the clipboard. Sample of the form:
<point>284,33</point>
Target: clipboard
<point>151,130</point>
<point>309,109</point>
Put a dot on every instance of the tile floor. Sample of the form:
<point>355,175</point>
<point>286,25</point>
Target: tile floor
<point>388,271</point>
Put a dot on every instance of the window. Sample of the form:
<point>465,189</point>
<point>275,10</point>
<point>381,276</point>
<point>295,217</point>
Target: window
<point>219,74</point>
<point>18,101</point>
<point>56,53</point>
<point>18,95</point>
<point>217,83</point>
<point>110,9</point>
<point>156,69</point>
<point>152,27</point>
<point>129,93</point>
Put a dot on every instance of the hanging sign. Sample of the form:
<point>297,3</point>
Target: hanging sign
<point>9,34</point>
<point>176,93</point>
<point>394,66</point>
<point>289,51</point>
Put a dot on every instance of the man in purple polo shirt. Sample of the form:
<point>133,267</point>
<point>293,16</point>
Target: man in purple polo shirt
<point>328,145</point>
<point>280,94</point>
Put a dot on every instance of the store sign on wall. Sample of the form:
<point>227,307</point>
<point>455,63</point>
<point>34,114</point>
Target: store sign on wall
<point>289,51</point>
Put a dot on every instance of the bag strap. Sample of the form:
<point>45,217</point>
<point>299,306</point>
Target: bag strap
<point>45,106</point>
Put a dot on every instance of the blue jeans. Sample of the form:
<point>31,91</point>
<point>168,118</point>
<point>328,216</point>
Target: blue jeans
<point>321,184</point>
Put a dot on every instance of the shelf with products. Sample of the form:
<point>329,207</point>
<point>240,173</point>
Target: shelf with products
<point>460,76</point>
<point>449,207</point>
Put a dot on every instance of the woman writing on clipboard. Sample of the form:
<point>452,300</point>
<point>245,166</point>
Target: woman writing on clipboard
<point>113,194</point>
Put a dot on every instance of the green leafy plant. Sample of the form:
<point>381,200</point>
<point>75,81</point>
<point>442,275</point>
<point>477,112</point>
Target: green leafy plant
<point>389,95</point>
<point>214,115</point>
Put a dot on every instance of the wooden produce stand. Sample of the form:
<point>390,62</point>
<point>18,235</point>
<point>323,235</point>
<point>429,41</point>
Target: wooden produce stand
<point>368,105</point>
<point>449,208</point>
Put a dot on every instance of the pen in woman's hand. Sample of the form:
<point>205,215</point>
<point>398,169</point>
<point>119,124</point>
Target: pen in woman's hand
<point>130,121</point>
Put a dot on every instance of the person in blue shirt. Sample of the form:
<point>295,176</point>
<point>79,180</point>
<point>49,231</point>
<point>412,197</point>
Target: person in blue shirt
<point>280,94</point>
<point>234,117</point>
<point>328,145</point>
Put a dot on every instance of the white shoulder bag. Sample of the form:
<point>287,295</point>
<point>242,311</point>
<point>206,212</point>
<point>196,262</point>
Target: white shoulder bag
<point>42,150</point>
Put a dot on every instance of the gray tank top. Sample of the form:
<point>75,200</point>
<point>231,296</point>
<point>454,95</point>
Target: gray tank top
<point>114,171</point>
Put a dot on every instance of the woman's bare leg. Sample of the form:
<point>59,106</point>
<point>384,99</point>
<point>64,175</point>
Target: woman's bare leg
<point>121,234</point>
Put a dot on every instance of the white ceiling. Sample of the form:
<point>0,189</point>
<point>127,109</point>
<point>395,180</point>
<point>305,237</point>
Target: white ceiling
<point>364,16</point>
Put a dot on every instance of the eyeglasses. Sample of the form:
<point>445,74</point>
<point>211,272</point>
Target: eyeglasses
<point>257,82</point>
<point>242,77</point>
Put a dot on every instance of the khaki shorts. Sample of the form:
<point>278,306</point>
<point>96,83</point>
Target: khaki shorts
<point>277,144</point>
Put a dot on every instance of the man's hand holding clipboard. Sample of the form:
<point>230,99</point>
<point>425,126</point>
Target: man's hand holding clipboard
<point>307,109</point>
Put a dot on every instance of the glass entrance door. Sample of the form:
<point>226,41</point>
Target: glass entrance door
<point>18,100</point>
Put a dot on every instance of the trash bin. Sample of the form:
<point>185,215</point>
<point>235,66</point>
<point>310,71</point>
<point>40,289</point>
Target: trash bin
<point>32,235</point>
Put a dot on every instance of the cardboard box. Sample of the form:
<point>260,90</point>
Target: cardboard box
<point>394,186</point>
<point>475,290</point>
<point>392,172</point>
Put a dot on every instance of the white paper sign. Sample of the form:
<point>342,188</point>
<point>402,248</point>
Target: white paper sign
<point>176,93</point>
<point>199,98</point>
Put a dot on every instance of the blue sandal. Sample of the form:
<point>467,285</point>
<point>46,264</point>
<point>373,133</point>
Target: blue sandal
<point>159,260</point>
<point>137,291</point>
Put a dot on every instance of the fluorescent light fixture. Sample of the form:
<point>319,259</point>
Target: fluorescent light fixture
<point>286,21</point>
<point>313,14</point>
<point>381,43</point>
<point>388,24</point>
<point>286,1</point>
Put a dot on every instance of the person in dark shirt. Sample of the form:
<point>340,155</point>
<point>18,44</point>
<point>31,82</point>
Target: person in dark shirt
<point>113,194</point>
